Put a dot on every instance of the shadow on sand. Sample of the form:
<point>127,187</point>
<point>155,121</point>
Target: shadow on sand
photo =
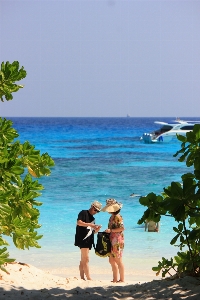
<point>184,288</point>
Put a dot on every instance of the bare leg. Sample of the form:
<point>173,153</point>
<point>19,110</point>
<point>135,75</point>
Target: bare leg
<point>81,271</point>
<point>121,268</point>
<point>114,268</point>
<point>84,264</point>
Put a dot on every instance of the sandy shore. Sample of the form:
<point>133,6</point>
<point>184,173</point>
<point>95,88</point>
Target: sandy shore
<point>27,282</point>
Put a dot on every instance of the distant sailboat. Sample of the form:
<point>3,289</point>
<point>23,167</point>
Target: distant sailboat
<point>128,116</point>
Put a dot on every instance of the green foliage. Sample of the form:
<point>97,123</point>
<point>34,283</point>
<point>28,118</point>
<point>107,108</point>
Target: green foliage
<point>4,258</point>
<point>10,73</point>
<point>165,266</point>
<point>181,201</point>
<point>19,165</point>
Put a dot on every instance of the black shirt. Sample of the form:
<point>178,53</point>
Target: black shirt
<point>84,237</point>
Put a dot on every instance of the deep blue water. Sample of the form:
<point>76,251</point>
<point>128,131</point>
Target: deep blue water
<point>98,158</point>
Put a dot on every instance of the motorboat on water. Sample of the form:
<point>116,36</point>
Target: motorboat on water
<point>168,131</point>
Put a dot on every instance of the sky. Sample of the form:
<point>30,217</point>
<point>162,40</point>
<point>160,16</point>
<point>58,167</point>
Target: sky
<point>103,58</point>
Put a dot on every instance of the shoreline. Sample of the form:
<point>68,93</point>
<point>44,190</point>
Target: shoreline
<point>27,282</point>
<point>105,273</point>
<point>64,263</point>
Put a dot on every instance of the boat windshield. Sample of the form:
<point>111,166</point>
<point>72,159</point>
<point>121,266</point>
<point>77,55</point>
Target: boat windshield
<point>187,127</point>
<point>163,129</point>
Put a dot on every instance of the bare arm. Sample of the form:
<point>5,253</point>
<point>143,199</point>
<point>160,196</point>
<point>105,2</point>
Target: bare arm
<point>84,224</point>
<point>119,226</point>
<point>93,226</point>
<point>115,230</point>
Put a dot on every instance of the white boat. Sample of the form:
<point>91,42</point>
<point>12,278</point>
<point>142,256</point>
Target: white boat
<point>168,131</point>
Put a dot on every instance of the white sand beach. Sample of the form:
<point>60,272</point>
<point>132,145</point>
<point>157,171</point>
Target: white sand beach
<point>27,282</point>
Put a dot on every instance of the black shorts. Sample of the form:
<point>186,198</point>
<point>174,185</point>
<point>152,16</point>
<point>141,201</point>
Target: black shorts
<point>85,246</point>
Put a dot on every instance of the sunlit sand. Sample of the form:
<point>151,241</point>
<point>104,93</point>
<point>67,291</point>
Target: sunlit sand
<point>27,282</point>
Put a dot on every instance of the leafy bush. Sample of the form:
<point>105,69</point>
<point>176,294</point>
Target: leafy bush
<point>181,201</point>
<point>10,73</point>
<point>19,165</point>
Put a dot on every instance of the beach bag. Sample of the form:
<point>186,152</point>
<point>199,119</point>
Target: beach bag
<point>103,246</point>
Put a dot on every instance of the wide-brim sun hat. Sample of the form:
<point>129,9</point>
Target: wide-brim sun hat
<point>112,206</point>
<point>96,204</point>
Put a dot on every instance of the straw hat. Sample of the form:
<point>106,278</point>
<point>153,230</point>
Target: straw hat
<point>112,206</point>
<point>96,205</point>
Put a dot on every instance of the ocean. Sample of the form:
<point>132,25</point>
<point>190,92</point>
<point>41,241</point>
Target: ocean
<point>96,159</point>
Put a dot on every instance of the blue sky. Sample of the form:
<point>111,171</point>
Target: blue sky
<point>103,58</point>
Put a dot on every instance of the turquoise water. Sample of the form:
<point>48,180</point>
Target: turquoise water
<point>98,158</point>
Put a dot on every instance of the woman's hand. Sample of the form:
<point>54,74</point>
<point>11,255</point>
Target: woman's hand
<point>108,230</point>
